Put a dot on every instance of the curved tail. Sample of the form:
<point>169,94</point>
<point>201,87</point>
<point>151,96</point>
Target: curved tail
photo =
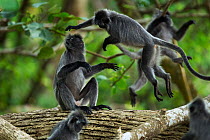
<point>184,57</point>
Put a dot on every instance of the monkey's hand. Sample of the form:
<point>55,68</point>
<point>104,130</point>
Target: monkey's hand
<point>98,107</point>
<point>85,109</point>
<point>72,27</point>
<point>191,22</point>
<point>86,66</point>
<point>110,66</point>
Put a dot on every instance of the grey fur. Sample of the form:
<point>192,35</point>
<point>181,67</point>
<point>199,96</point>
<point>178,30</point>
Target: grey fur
<point>71,74</point>
<point>123,29</point>
<point>199,121</point>
<point>69,128</point>
<point>160,27</point>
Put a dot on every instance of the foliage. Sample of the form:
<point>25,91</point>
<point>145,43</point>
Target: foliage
<point>39,31</point>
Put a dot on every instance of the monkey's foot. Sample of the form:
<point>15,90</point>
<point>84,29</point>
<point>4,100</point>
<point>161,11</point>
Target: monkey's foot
<point>179,60</point>
<point>86,109</point>
<point>157,92</point>
<point>133,96</point>
<point>170,94</point>
<point>98,107</point>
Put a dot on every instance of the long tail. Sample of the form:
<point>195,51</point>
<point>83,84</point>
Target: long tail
<point>184,57</point>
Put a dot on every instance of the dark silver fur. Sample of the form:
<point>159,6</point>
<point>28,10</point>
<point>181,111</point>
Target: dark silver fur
<point>69,82</point>
<point>199,121</point>
<point>69,128</point>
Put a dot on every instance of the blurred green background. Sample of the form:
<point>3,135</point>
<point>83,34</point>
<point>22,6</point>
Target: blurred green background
<point>31,42</point>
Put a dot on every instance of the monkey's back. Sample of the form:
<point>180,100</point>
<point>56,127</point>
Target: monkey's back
<point>127,30</point>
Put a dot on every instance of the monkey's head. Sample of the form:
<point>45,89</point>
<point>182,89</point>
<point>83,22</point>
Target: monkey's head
<point>76,120</point>
<point>167,18</point>
<point>102,18</point>
<point>74,42</point>
<point>197,107</point>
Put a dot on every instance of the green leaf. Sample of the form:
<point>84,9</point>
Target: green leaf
<point>45,53</point>
<point>45,35</point>
<point>9,5</point>
<point>17,26</point>
<point>37,30</point>
<point>36,5</point>
<point>63,15</point>
<point>8,8</point>
<point>101,78</point>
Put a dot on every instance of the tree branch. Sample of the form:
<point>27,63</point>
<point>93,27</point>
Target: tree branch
<point>17,52</point>
<point>155,126</point>
<point>166,7</point>
<point>109,124</point>
<point>10,132</point>
<point>106,58</point>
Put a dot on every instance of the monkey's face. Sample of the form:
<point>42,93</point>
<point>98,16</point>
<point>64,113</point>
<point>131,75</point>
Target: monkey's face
<point>197,106</point>
<point>74,42</point>
<point>102,19</point>
<point>77,122</point>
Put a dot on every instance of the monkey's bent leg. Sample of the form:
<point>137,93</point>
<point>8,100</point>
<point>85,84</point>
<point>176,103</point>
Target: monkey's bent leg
<point>90,93</point>
<point>141,81</point>
<point>147,56</point>
<point>162,74</point>
<point>65,97</point>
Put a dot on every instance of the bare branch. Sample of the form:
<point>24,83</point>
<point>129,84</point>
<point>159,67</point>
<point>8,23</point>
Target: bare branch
<point>17,52</point>
<point>166,7</point>
<point>123,73</point>
<point>106,58</point>
<point>10,132</point>
<point>155,126</point>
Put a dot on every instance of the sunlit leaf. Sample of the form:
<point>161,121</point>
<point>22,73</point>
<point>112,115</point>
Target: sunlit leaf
<point>101,77</point>
<point>45,53</point>
<point>37,30</point>
<point>36,5</point>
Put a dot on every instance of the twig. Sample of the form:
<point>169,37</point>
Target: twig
<point>114,56</point>
<point>166,7</point>
<point>17,52</point>
<point>106,58</point>
<point>123,73</point>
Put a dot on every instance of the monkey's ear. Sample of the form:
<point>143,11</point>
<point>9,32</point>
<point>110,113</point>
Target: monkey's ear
<point>106,20</point>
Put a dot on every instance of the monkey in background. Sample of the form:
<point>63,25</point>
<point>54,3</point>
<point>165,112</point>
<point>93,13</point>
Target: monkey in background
<point>123,29</point>
<point>69,128</point>
<point>199,121</point>
<point>70,77</point>
<point>161,27</point>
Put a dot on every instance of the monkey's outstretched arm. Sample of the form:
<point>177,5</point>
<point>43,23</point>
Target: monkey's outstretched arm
<point>71,67</point>
<point>97,68</point>
<point>181,32</point>
<point>133,55</point>
<point>81,25</point>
